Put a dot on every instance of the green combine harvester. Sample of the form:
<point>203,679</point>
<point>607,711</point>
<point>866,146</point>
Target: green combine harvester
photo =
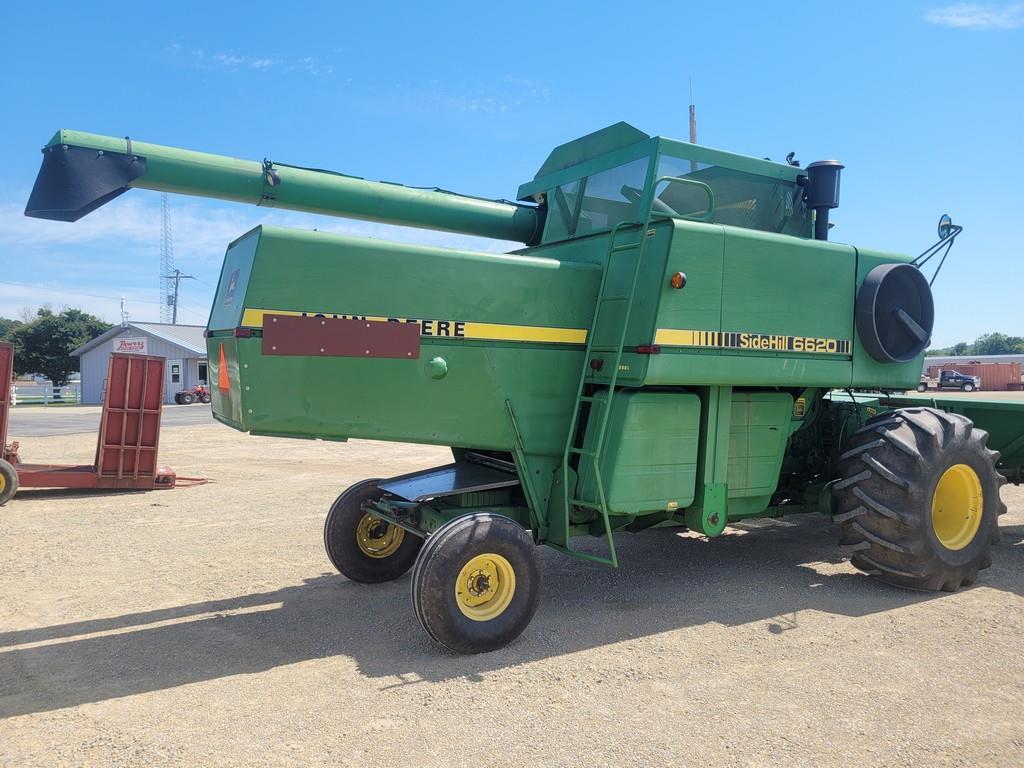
<point>677,344</point>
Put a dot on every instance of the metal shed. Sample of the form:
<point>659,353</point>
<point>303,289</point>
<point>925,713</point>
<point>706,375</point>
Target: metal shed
<point>182,345</point>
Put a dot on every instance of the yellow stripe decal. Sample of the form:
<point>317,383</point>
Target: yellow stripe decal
<point>771,342</point>
<point>454,329</point>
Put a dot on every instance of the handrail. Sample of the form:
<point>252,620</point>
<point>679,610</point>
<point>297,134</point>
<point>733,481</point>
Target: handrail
<point>671,214</point>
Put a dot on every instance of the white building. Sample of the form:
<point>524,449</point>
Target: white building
<point>182,345</point>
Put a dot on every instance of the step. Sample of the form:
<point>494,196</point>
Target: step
<point>587,504</point>
<point>608,299</point>
<point>582,452</point>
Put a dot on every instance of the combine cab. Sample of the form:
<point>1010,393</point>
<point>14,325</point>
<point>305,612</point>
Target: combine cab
<point>663,351</point>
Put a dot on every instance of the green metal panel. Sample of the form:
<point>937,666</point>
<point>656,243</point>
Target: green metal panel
<point>786,310</point>
<point>650,461</point>
<point>759,429</point>
<point>340,397</point>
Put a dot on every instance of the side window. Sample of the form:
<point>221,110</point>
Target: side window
<point>612,196</point>
<point>562,206</point>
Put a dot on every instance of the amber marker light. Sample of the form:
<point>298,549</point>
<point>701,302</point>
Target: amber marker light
<point>678,280</point>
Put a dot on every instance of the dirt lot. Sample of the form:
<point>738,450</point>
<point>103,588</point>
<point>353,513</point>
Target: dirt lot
<point>203,626</point>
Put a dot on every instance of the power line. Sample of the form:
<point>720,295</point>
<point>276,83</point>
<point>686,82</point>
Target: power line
<point>72,293</point>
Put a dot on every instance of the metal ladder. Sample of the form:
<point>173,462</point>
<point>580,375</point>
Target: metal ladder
<point>602,406</point>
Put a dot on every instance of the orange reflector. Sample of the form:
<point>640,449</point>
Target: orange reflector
<point>223,384</point>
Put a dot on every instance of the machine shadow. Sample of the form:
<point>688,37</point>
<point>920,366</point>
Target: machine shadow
<point>765,573</point>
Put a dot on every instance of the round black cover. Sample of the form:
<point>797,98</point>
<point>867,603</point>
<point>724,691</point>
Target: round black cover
<point>895,313</point>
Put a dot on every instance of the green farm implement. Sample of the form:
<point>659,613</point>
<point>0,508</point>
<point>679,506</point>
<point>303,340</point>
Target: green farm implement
<point>677,343</point>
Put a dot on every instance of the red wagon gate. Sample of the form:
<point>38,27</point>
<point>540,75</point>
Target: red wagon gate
<point>7,379</point>
<point>126,452</point>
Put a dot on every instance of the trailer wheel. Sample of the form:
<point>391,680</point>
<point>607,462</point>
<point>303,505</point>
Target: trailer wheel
<point>8,481</point>
<point>363,547</point>
<point>922,387</point>
<point>476,583</point>
<point>918,501</point>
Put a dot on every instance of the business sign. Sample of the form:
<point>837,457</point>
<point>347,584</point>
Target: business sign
<point>133,345</point>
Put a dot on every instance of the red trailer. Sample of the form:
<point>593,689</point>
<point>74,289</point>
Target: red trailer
<point>126,452</point>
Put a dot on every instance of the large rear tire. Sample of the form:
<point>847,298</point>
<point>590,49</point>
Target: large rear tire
<point>363,547</point>
<point>918,499</point>
<point>8,481</point>
<point>476,583</point>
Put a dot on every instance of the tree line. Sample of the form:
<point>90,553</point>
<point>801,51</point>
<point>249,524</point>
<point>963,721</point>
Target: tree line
<point>43,343</point>
<point>986,344</point>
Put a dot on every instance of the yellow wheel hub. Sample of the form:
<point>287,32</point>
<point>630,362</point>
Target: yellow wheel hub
<point>485,587</point>
<point>957,506</point>
<point>378,538</point>
<point>3,483</point>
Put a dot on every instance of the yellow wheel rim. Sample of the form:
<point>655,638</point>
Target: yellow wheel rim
<point>378,538</point>
<point>3,483</point>
<point>485,587</point>
<point>957,506</point>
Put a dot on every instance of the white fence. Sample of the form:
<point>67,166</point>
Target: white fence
<point>44,394</point>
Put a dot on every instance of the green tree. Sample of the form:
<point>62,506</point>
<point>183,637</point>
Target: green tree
<point>992,344</point>
<point>6,326</point>
<point>44,345</point>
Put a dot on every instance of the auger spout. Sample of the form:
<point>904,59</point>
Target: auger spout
<point>83,171</point>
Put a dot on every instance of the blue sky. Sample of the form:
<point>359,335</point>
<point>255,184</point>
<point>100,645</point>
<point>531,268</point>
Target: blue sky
<point>923,102</point>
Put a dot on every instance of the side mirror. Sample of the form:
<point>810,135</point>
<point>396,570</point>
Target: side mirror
<point>945,226</point>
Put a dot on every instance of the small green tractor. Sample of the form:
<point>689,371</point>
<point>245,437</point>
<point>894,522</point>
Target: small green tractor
<point>678,343</point>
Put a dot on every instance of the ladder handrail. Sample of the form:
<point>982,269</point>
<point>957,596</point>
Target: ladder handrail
<point>595,455</point>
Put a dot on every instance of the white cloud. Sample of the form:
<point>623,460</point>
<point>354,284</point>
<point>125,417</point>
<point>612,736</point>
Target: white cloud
<point>235,61</point>
<point>977,16</point>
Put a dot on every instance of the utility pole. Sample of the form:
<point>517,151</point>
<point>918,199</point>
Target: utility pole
<point>693,126</point>
<point>177,277</point>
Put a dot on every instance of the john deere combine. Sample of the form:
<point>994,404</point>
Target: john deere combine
<point>677,344</point>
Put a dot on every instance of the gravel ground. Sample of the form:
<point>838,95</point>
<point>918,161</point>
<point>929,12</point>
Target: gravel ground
<point>203,626</point>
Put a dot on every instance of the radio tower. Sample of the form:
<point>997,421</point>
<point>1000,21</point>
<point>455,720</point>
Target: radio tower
<point>167,288</point>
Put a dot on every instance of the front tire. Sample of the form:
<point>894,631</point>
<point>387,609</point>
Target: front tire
<point>363,547</point>
<point>918,499</point>
<point>968,387</point>
<point>476,584</point>
<point>8,481</point>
